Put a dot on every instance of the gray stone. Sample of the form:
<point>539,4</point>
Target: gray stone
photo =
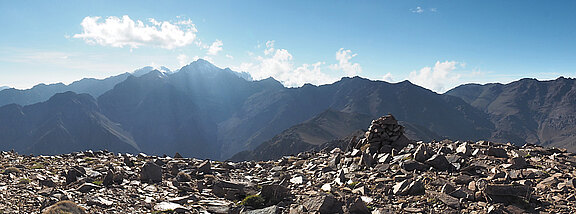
<point>99,201</point>
<point>518,163</point>
<point>268,210</point>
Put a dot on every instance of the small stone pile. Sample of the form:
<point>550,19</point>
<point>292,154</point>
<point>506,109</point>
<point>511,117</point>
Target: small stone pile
<point>383,136</point>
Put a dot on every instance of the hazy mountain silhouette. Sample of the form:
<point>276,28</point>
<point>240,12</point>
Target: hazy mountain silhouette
<point>67,122</point>
<point>527,110</point>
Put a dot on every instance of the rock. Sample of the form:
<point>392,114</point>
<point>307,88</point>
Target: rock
<point>518,163</point>
<point>326,188</point>
<point>463,179</point>
<point>108,179</point>
<point>324,203</point>
<point>507,190</point>
<point>274,193</point>
<point>358,206</point>
<point>177,155</point>
<point>47,182</point>
<point>165,206</point>
<point>99,201</point>
<point>151,172</point>
<point>497,152</point>
<point>268,210</point>
<point>410,165</point>
<point>183,177</point>
<point>408,187</point>
<point>446,199</point>
<point>229,190</point>
<point>297,180</point>
<point>367,160</point>
<point>86,187</point>
<point>128,162</point>
<point>64,207</point>
<point>205,167</point>
<point>439,162</point>
<point>422,153</point>
<point>464,149</point>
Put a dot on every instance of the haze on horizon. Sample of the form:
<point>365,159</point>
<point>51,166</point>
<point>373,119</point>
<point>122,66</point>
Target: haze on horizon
<point>435,44</point>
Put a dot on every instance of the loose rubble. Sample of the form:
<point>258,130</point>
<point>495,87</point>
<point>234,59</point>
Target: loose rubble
<point>383,172</point>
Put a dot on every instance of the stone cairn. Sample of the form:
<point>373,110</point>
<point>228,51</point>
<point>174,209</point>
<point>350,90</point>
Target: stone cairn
<point>383,136</point>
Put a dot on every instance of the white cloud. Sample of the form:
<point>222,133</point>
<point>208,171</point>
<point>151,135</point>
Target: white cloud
<point>417,10</point>
<point>269,47</point>
<point>215,47</point>
<point>183,60</point>
<point>125,32</point>
<point>437,78</point>
<point>279,64</point>
<point>229,56</point>
<point>344,64</point>
<point>388,77</point>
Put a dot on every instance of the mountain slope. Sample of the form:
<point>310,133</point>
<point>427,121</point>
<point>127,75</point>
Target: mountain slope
<point>67,122</point>
<point>328,126</point>
<point>266,114</point>
<point>528,110</point>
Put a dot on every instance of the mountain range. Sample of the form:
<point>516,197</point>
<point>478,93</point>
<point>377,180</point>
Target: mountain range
<point>204,111</point>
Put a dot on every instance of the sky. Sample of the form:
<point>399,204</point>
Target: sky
<point>435,44</point>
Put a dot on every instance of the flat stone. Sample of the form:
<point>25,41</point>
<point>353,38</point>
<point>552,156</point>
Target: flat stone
<point>446,199</point>
<point>86,187</point>
<point>268,210</point>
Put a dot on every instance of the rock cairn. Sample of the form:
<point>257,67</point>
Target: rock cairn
<point>418,177</point>
<point>383,136</point>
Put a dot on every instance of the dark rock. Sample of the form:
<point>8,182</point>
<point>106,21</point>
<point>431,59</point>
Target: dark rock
<point>274,193</point>
<point>358,206</point>
<point>497,152</point>
<point>324,203</point>
<point>463,179</point>
<point>86,187</point>
<point>151,172</point>
<point>205,167</point>
<point>445,198</point>
<point>422,153</point>
<point>410,165</point>
<point>518,163</point>
<point>108,179</point>
<point>439,162</point>
<point>408,187</point>
<point>177,155</point>
<point>47,182</point>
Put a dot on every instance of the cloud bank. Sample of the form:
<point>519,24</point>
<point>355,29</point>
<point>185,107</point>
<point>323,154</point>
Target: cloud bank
<point>437,78</point>
<point>125,32</point>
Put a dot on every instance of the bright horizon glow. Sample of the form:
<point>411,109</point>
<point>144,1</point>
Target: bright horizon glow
<point>434,44</point>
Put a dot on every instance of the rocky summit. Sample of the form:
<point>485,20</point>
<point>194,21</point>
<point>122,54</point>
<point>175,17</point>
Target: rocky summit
<point>383,172</point>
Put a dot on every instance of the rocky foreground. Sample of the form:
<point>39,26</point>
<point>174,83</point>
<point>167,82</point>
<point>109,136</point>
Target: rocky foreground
<point>380,173</point>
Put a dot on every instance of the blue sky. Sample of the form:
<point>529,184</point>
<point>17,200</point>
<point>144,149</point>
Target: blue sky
<point>435,44</point>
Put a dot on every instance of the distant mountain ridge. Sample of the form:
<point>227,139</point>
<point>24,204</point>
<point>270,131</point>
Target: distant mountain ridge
<point>204,111</point>
<point>527,110</point>
<point>67,122</point>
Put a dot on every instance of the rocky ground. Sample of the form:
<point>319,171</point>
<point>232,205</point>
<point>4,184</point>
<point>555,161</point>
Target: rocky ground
<point>381,173</point>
